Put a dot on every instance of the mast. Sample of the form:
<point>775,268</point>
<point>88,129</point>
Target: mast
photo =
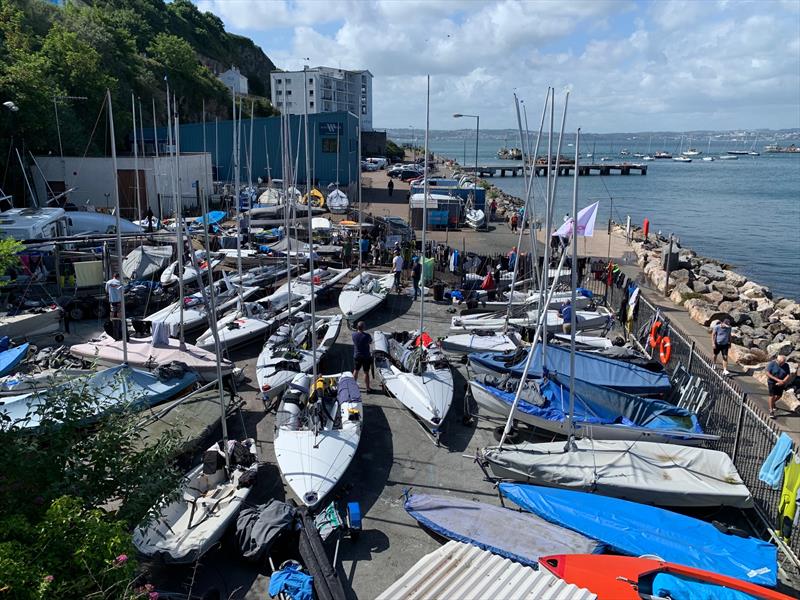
<point>250,152</point>
<point>136,157</point>
<point>310,241</point>
<point>573,296</point>
<point>425,188</point>
<point>236,190</point>
<point>287,207</point>
<point>141,128</point>
<point>176,182</point>
<point>266,151</point>
<point>360,227</point>
<point>124,325</point>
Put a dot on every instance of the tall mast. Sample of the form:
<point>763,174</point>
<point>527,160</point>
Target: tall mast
<point>310,240</point>
<point>176,182</point>
<point>287,206</point>
<point>425,187</point>
<point>136,158</point>
<point>573,295</point>
<point>155,136</point>
<point>266,152</point>
<point>360,227</point>
<point>124,327</point>
<point>236,190</point>
<point>250,152</point>
<point>141,128</point>
<point>205,164</point>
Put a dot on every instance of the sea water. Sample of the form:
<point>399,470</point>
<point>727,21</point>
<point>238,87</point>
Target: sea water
<point>743,212</point>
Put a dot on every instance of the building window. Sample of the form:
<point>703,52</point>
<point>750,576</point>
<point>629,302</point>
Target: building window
<point>364,79</point>
<point>310,81</point>
<point>277,81</point>
<point>288,92</point>
<point>310,92</point>
<point>329,145</point>
<point>288,81</point>
<point>363,89</point>
<point>363,110</point>
<point>311,104</point>
<point>280,103</point>
<point>280,92</point>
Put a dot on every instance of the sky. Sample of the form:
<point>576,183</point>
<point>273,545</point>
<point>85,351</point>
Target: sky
<point>628,65</point>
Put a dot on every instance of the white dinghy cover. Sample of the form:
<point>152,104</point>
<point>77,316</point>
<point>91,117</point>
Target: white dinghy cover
<point>645,472</point>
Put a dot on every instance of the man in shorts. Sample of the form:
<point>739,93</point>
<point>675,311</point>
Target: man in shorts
<point>721,343</point>
<point>115,291</point>
<point>362,355</point>
<point>779,377</point>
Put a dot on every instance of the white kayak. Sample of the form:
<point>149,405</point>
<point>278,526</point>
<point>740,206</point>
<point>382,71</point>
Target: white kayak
<point>190,526</point>
<point>323,279</point>
<point>482,341</point>
<point>288,352</point>
<point>363,293</point>
<point>249,322</point>
<point>418,376</point>
<point>598,319</point>
<point>195,311</point>
<point>316,438</point>
<point>646,472</point>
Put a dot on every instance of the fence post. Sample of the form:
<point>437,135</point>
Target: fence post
<point>739,421</point>
<point>691,357</point>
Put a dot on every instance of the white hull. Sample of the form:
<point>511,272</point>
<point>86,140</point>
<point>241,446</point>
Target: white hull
<point>190,526</point>
<point>646,472</point>
<point>312,463</point>
<point>356,300</point>
<point>474,342</point>
<point>487,401</point>
<point>490,322</point>
<point>325,279</point>
<point>26,325</point>
<point>170,275</point>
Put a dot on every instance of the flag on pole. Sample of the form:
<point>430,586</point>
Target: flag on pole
<point>586,219</point>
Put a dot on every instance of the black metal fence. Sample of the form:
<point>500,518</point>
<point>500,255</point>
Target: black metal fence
<point>745,433</point>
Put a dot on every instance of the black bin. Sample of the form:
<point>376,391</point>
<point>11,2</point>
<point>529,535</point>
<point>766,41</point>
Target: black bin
<point>438,291</point>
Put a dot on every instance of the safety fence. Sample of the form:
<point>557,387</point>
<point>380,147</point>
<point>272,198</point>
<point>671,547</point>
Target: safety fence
<point>745,433</point>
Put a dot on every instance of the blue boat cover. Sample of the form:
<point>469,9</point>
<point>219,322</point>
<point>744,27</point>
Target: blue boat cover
<point>594,368</point>
<point>214,217</point>
<point>599,405</point>
<point>678,587</point>
<point>518,536</point>
<point>9,359</point>
<point>638,529</point>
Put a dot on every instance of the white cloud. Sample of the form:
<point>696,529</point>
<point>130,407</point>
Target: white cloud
<point>663,65</point>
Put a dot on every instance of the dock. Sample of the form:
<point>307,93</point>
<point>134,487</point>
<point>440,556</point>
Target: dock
<point>564,170</point>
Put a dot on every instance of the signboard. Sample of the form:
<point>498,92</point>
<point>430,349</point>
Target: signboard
<point>330,129</point>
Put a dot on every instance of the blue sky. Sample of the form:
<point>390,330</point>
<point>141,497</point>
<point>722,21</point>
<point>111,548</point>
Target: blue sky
<point>629,65</point>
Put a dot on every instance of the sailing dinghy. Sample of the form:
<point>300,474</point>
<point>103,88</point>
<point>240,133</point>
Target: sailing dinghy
<point>323,279</point>
<point>286,353</point>
<point>646,472</point>
<point>600,413</point>
<point>414,370</point>
<point>338,202</point>
<point>170,275</point>
<point>190,526</point>
<point>519,536</point>
<point>492,321</point>
<point>482,341</point>
<point>637,529</point>
<point>145,262</point>
<point>317,433</point>
<point>363,293</point>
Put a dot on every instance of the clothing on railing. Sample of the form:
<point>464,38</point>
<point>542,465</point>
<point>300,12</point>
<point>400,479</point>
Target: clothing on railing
<point>771,471</point>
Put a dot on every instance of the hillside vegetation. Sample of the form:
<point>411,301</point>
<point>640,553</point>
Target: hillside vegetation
<point>128,46</point>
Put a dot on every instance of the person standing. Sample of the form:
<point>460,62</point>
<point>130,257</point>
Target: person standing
<point>492,209</point>
<point>150,218</point>
<point>565,312</point>
<point>390,187</point>
<point>363,246</point>
<point>512,258</point>
<point>115,293</point>
<point>416,274</point>
<point>362,354</point>
<point>347,250</point>
<point>779,376</point>
<point>406,255</point>
<point>514,222</point>
<point>721,343</point>
<point>397,269</point>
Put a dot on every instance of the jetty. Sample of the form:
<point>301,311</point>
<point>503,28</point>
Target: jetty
<point>564,170</point>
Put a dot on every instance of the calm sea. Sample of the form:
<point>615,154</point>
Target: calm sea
<point>744,212</point>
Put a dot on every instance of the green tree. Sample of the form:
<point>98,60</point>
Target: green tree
<point>174,53</point>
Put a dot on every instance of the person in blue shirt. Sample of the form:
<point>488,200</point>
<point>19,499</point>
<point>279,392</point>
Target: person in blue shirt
<point>363,245</point>
<point>721,342</point>
<point>779,376</point>
<point>362,354</point>
<point>565,312</point>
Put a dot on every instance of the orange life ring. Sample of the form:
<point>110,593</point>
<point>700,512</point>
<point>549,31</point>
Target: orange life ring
<point>655,339</point>
<point>665,350</point>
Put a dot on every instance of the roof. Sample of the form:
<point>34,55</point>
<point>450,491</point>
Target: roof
<point>463,571</point>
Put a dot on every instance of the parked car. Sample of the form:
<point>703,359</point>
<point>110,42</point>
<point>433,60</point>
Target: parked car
<point>368,166</point>
<point>381,162</point>
<point>409,174</point>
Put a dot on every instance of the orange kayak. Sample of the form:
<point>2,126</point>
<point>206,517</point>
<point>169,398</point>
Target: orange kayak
<point>630,578</point>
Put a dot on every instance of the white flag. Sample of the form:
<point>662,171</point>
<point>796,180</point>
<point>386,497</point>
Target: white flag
<point>586,219</point>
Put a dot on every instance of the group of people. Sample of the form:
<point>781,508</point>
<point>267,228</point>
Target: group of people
<point>399,264</point>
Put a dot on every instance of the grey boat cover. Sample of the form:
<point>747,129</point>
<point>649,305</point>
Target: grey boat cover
<point>259,526</point>
<point>145,262</point>
<point>521,537</point>
<point>646,472</point>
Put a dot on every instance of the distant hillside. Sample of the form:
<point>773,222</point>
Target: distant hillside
<point>49,52</point>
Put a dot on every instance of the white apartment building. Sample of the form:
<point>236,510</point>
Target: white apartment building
<point>234,80</point>
<point>328,90</point>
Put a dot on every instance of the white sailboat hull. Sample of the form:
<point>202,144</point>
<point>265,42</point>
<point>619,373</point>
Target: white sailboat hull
<point>646,472</point>
<point>491,322</point>
<point>478,342</point>
<point>356,300</point>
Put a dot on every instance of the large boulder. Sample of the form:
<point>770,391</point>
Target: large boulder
<point>726,289</point>
<point>776,348</point>
<point>753,290</point>
<point>699,287</point>
<point>738,317</point>
<point>790,308</point>
<point>702,312</point>
<point>680,293</point>
<point>712,272</point>
<point>714,298</point>
<point>680,275</point>
<point>746,356</point>
<point>791,325</point>
<point>659,279</point>
<point>734,278</point>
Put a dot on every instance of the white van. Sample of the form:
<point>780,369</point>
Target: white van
<point>381,162</point>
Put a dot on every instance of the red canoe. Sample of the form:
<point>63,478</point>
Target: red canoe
<point>629,578</point>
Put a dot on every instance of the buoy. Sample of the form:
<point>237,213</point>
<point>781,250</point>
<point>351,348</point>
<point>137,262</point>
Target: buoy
<point>655,339</point>
<point>665,350</point>
<point>646,227</point>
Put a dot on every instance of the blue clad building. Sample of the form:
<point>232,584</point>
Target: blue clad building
<point>333,138</point>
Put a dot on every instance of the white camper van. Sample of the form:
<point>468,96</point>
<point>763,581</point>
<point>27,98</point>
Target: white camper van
<point>48,223</point>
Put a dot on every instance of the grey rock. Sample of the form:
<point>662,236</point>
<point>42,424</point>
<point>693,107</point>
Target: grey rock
<point>776,327</point>
<point>761,343</point>
<point>700,287</point>
<point>746,330</point>
<point>712,272</point>
<point>727,290</point>
<point>779,348</point>
<point>714,298</point>
<point>761,332</point>
<point>738,317</point>
<point>746,356</point>
<point>735,279</point>
<point>747,341</point>
<point>680,275</point>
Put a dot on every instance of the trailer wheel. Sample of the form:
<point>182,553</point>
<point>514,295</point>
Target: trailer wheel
<point>59,338</point>
<point>76,313</point>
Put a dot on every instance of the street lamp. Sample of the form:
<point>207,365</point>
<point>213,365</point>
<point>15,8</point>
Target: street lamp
<point>413,141</point>
<point>477,134</point>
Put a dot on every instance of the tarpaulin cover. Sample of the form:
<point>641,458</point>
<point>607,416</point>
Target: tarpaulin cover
<point>258,527</point>
<point>638,529</point>
<point>515,535</point>
<point>598,405</point>
<point>594,368</point>
<point>145,261</point>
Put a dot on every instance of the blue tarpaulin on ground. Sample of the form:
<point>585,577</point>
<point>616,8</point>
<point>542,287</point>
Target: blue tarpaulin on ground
<point>593,368</point>
<point>637,529</point>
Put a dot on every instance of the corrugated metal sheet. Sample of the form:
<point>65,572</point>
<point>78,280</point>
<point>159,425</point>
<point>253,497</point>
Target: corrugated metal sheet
<point>459,571</point>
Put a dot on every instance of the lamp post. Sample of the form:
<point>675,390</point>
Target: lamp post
<point>413,141</point>
<point>477,134</point>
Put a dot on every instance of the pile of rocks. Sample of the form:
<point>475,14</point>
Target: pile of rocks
<point>763,326</point>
